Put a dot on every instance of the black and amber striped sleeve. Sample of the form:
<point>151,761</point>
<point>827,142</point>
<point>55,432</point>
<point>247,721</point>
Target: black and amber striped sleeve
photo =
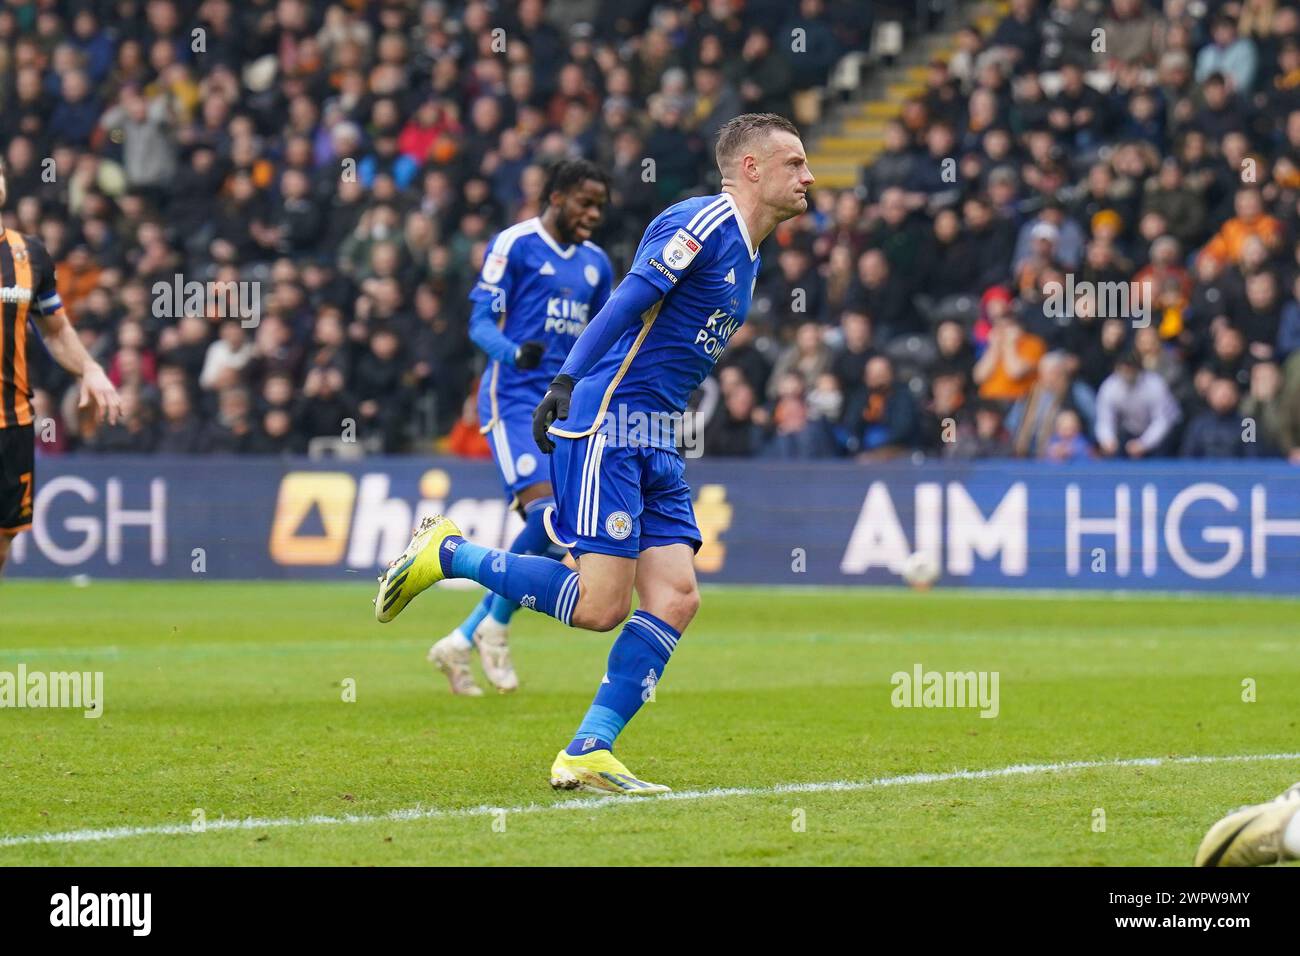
<point>17,295</point>
<point>44,281</point>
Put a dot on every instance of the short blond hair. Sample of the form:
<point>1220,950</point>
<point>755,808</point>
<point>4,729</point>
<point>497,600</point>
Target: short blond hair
<point>739,133</point>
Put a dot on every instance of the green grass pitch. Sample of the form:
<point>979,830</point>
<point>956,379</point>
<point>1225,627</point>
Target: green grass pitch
<point>228,699</point>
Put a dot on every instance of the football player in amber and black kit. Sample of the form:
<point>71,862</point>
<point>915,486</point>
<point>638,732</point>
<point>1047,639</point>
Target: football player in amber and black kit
<point>27,291</point>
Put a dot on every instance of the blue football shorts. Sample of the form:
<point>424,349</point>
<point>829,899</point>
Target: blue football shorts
<point>515,451</point>
<point>619,499</point>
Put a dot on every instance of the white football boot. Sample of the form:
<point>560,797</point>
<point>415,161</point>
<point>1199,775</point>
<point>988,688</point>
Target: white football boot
<point>1253,836</point>
<point>451,656</point>
<point>494,654</point>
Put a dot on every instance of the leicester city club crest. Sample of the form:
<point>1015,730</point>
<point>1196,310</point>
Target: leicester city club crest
<point>618,525</point>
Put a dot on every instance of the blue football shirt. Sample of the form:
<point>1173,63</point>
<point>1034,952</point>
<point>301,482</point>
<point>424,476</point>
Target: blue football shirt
<point>698,253</point>
<point>540,291</point>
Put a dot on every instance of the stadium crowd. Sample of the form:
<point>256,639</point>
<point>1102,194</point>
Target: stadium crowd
<point>1080,241</point>
<point>351,159</point>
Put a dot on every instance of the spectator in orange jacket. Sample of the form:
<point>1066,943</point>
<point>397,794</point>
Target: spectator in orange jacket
<point>77,276</point>
<point>465,440</point>
<point>1009,366</point>
<point>1251,220</point>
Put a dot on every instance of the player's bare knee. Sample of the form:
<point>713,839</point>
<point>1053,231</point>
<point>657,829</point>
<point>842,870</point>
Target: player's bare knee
<point>613,613</point>
<point>603,616</point>
<point>674,605</point>
<point>691,602</point>
<point>683,603</point>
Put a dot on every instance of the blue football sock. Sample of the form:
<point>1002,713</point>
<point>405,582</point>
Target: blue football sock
<point>481,609</point>
<point>636,663</point>
<point>532,581</point>
<point>532,539</point>
<point>502,609</point>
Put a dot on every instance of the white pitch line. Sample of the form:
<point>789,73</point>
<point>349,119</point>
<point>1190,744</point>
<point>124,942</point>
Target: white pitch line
<point>580,803</point>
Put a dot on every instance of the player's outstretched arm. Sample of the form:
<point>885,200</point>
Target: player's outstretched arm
<point>484,333</point>
<point>61,339</point>
<point>622,312</point>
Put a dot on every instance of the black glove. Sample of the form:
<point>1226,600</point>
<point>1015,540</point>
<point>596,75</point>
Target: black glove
<point>554,406</point>
<point>529,355</point>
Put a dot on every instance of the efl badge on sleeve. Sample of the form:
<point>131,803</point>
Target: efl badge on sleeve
<point>494,267</point>
<point>681,249</point>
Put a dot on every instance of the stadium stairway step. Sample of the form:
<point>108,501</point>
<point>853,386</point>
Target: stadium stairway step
<point>847,145</point>
<point>868,126</point>
<point>851,135</point>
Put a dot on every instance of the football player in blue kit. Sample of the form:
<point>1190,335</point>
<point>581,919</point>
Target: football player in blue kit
<point>541,280</point>
<point>623,508</point>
